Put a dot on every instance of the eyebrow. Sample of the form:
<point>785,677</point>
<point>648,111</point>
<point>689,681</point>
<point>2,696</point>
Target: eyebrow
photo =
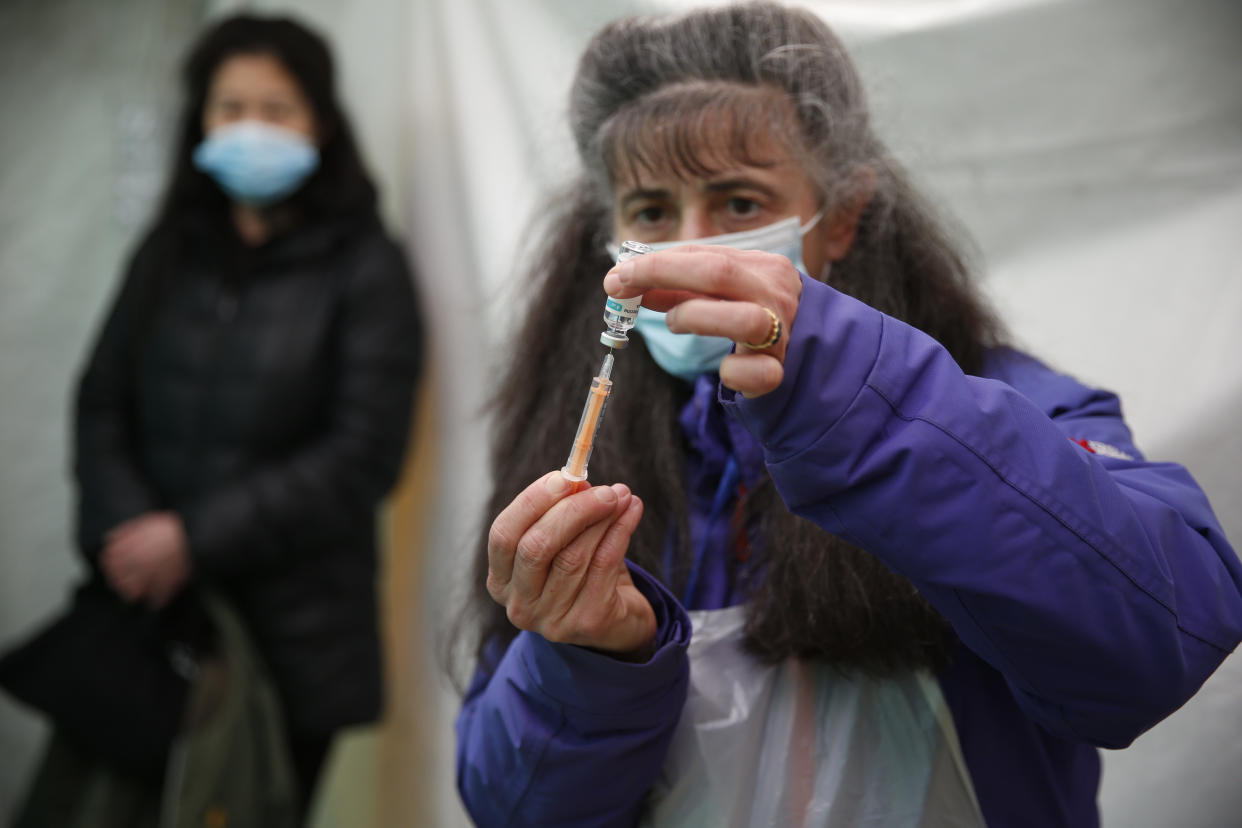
<point>718,186</point>
<point>644,194</point>
<point>725,184</point>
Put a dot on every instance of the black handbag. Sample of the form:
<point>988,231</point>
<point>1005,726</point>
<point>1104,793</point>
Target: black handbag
<point>112,677</point>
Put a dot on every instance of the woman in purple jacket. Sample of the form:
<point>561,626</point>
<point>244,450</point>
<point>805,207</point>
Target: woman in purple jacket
<point>884,570</point>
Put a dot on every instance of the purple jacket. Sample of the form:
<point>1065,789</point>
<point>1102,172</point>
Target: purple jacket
<point>1093,591</point>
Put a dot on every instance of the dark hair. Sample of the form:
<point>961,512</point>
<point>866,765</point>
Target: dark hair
<point>340,185</point>
<point>817,596</point>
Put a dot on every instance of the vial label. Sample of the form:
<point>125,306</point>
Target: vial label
<point>627,309</point>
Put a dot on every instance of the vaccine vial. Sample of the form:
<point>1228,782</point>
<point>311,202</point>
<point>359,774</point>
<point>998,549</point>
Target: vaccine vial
<point>619,314</point>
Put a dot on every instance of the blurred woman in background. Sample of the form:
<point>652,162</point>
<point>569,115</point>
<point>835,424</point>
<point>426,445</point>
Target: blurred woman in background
<point>247,404</point>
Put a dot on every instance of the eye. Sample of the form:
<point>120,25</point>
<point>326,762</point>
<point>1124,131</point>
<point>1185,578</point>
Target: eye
<point>228,107</point>
<point>277,110</point>
<point>648,216</point>
<point>743,208</point>
<point>645,216</point>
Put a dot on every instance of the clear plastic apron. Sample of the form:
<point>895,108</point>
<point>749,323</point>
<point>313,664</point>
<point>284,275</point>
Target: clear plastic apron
<point>798,745</point>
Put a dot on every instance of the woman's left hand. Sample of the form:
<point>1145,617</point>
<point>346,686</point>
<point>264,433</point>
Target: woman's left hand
<point>147,558</point>
<point>719,291</point>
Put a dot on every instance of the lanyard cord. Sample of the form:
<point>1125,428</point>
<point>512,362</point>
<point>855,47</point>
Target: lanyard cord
<point>728,483</point>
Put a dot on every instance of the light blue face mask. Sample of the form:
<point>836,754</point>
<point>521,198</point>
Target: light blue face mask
<point>687,355</point>
<point>255,162</point>
<point>683,355</point>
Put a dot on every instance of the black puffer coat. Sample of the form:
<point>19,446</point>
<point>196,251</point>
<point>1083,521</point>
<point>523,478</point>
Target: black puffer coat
<point>265,395</point>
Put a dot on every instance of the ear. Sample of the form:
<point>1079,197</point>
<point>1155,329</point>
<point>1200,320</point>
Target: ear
<point>841,222</point>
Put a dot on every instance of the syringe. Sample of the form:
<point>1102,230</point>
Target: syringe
<point>592,415</point>
<point>619,316</point>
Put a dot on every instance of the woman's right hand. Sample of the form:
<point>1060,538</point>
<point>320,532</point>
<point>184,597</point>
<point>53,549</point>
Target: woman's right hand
<point>556,563</point>
<point>748,296</point>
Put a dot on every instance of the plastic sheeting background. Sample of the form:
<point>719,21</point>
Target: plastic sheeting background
<point>1091,148</point>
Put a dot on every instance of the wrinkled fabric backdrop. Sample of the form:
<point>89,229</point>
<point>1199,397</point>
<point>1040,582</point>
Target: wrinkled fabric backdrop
<point>1092,150</point>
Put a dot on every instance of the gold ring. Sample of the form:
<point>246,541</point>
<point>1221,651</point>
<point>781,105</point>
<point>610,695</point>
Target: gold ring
<point>774,335</point>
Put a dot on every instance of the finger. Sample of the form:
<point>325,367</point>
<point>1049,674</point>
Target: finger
<point>512,523</point>
<point>604,618</point>
<point>616,541</point>
<point>107,557</point>
<point>127,546</point>
<point>122,570</point>
<point>130,586</point>
<point>167,578</point>
<point>569,567</point>
<point>740,321</point>
<point>665,300</point>
<point>703,269</point>
<point>751,374</point>
<point>116,559</point>
<point>552,533</point>
<point>124,529</point>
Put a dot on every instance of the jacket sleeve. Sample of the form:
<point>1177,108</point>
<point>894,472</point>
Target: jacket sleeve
<point>111,484</point>
<point>1100,586</point>
<point>330,486</point>
<point>559,735</point>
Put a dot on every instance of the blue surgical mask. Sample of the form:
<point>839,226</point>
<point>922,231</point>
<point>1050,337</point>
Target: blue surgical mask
<point>687,355</point>
<point>683,355</point>
<point>255,162</point>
